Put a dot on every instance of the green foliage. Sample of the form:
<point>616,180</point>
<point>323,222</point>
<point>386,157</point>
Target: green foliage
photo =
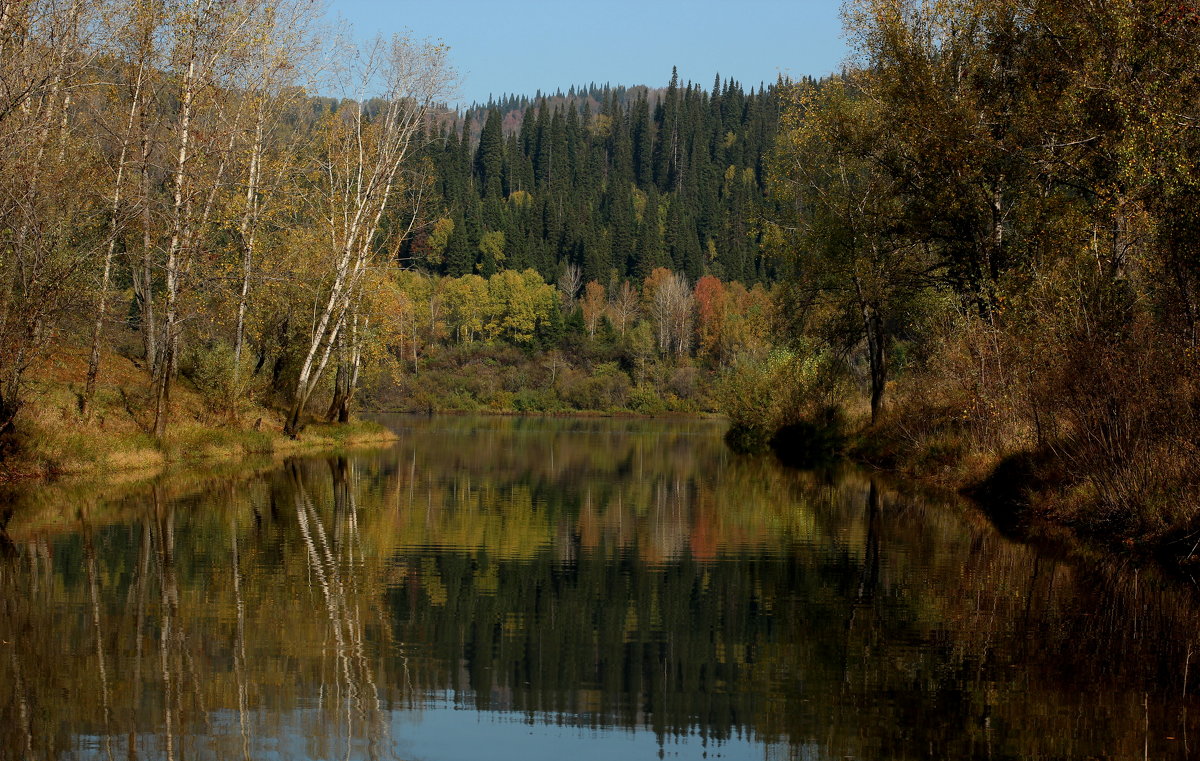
<point>994,221</point>
<point>536,400</point>
<point>763,394</point>
<point>517,304</point>
<point>606,388</point>
<point>224,387</point>
<point>646,401</point>
<point>542,184</point>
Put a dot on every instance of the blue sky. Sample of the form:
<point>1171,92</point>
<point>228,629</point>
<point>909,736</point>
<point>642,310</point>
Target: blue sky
<point>521,46</point>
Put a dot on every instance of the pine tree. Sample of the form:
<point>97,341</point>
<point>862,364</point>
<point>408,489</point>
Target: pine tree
<point>562,186</point>
<point>650,250</point>
<point>459,258</point>
<point>642,142</point>
<point>489,158</point>
<point>667,146</point>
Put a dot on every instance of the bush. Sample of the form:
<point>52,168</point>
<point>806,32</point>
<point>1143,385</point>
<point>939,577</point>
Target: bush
<point>211,369</point>
<point>608,388</point>
<point>539,400</point>
<point>501,401</point>
<point>761,395</point>
<point>459,401</point>
<point>684,382</point>
<point>646,400</point>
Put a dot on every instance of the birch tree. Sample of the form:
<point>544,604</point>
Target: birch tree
<point>136,49</point>
<point>361,147</point>
<point>593,303</point>
<point>281,51</point>
<point>213,45</point>
<point>623,306</point>
<point>671,307</point>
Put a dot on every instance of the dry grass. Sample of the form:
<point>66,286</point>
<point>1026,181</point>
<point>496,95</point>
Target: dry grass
<point>54,439</point>
<point>1097,430</point>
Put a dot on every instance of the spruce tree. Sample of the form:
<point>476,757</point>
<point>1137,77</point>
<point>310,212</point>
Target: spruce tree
<point>459,258</point>
<point>489,157</point>
<point>641,142</point>
<point>561,187</point>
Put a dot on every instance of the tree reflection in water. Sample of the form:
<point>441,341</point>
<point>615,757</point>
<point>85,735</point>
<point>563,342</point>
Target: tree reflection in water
<point>598,574</point>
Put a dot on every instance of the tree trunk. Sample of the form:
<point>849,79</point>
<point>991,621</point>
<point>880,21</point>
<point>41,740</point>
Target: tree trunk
<point>10,396</point>
<point>877,357</point>
<point>249,228</point>
<point>339,382</point>
<point>346,381</point>
<point>93,371</point>
<point>149,328</point>
<point>309,375</point>
<point>339,393</point>
<point>352,379</point>
<point>179,234</point>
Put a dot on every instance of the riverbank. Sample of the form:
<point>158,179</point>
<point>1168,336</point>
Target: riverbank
<point>590,377</point>
<point>1114,466</point>
<point>1036,490</point>
<point>1028,495</point>
<point>53,439</point>
<point>556,414</point>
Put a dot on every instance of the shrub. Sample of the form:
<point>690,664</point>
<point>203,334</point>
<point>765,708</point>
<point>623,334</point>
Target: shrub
<point>459,401</point>
<point>761,395</point>
<point>501,401</point>
<point>224,388</point>
<point>535,400</point>
<point>684,382</point>
<point>646,400</point>
<point>606,389</point>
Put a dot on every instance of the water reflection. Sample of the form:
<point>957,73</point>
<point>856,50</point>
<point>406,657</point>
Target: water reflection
<point>516,588</point>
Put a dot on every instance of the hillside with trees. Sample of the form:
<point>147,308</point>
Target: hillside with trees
<point>970,256</point>
<point>617,182</point>
<point>178,208</point>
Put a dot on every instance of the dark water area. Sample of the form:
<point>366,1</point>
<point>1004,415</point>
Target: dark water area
<point>518,588</point>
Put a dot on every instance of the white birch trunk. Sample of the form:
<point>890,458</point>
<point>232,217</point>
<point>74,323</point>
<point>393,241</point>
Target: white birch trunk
<point>102,299</point>
<point>178,234</point>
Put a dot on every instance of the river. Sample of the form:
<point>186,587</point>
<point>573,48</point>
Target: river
<point>529,588</point>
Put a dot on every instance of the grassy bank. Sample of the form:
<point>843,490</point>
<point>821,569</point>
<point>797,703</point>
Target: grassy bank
<point>1032,493</point>
<point>53,439</point>
<point>593,378</point>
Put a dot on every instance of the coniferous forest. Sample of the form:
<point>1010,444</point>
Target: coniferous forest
<point>616,181</point>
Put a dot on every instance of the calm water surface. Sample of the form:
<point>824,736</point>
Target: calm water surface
<point>498,588</point>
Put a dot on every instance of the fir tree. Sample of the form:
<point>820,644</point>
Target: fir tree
<point>489,158</point>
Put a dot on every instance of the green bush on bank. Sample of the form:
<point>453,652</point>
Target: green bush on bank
<point>763,395</point>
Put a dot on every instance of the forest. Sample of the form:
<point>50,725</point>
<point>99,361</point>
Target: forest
<point>968,256</point>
